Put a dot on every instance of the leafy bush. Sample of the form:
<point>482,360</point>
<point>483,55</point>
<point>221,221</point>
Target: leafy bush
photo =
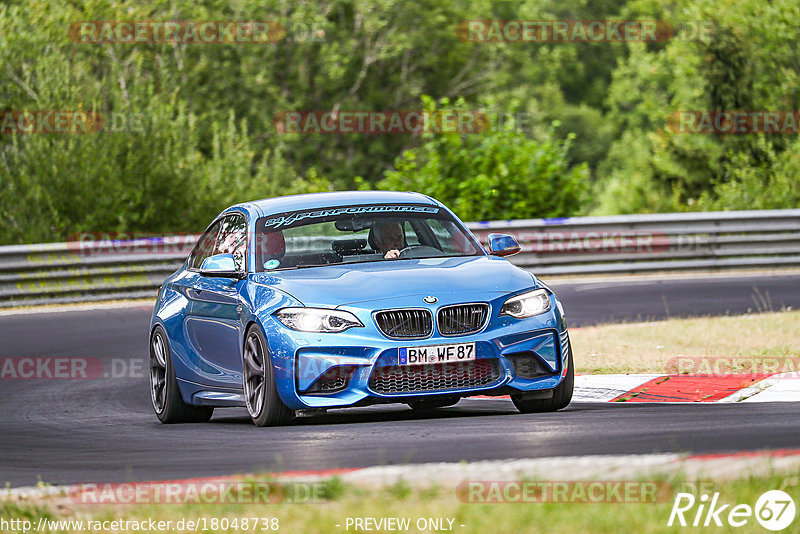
<point>494,174</point>
<point>770,184</point>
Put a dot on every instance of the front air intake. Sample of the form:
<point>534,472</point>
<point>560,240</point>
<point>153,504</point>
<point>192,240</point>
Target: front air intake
<point>333,380</point>
<point>400,379</point>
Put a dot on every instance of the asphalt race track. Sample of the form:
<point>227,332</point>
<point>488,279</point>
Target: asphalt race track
<point>66,431</point>
<point>649,299</point>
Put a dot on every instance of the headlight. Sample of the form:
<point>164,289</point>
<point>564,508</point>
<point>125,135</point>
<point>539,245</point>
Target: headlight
<point>527,304</point>
<point>317,319</point>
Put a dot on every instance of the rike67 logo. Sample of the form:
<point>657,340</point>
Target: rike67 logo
<point>774,510</point>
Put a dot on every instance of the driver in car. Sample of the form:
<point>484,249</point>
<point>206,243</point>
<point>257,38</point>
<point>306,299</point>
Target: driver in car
<point>389,237</point>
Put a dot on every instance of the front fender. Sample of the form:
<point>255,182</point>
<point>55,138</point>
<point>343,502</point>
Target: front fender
<point>259,303</point>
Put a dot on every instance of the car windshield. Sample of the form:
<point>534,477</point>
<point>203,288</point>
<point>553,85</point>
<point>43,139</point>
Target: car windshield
<point>356,234</point>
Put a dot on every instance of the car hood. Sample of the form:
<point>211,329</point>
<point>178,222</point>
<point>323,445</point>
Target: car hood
<point>339,285</point>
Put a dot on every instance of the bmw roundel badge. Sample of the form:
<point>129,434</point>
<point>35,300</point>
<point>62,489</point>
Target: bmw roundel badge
<point>431,300</point>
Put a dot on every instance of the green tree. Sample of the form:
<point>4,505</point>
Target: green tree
<point>499,173</point>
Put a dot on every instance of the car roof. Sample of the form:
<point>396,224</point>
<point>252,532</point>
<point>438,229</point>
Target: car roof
<point>269,206</point>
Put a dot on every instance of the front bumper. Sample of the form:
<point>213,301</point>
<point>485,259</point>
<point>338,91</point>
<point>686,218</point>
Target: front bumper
<point>360,366</point>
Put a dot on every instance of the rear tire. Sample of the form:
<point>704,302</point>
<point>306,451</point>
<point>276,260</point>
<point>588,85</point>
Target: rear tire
<point>260,391</point>
<point>562,394</point>
<point>164,393</point>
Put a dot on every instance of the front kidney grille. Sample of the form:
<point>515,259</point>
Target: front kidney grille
<point>399,379</point>
<point>405,324</point>
<point>462,319</point>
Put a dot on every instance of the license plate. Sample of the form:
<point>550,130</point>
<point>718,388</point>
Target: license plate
<point>457,352</point>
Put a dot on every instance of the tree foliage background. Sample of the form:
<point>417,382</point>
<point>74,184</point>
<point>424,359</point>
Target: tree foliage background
<point>593,139</point>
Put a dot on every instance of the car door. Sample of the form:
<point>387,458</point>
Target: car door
<point>213,325</point>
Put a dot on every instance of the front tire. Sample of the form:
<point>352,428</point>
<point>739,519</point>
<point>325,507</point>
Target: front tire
<point>164,393</point>
<point>562,394</point>
<point>260,391</point>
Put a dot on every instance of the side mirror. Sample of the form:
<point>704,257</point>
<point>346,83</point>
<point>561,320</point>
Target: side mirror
<point>222,265</point>
<point>502,245</point>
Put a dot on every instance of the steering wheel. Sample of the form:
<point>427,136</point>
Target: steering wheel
<point>418,251</point>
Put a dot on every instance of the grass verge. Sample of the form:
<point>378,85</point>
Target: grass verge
<point>647,347</point>
<point>419,504</point>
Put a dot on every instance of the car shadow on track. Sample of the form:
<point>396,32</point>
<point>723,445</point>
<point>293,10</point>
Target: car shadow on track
<point>396,412</point>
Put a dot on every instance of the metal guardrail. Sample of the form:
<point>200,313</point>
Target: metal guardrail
<point>105,270</point>
<point>658,242</point>
<point>84,271</point>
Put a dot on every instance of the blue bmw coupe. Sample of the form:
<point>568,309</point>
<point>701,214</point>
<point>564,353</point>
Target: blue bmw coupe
<point>333,300</point>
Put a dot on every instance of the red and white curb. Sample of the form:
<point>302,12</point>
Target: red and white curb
<point>717,467</point>
<point>764,387</point>
<point>689,388</point>
<point>597,467</point>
